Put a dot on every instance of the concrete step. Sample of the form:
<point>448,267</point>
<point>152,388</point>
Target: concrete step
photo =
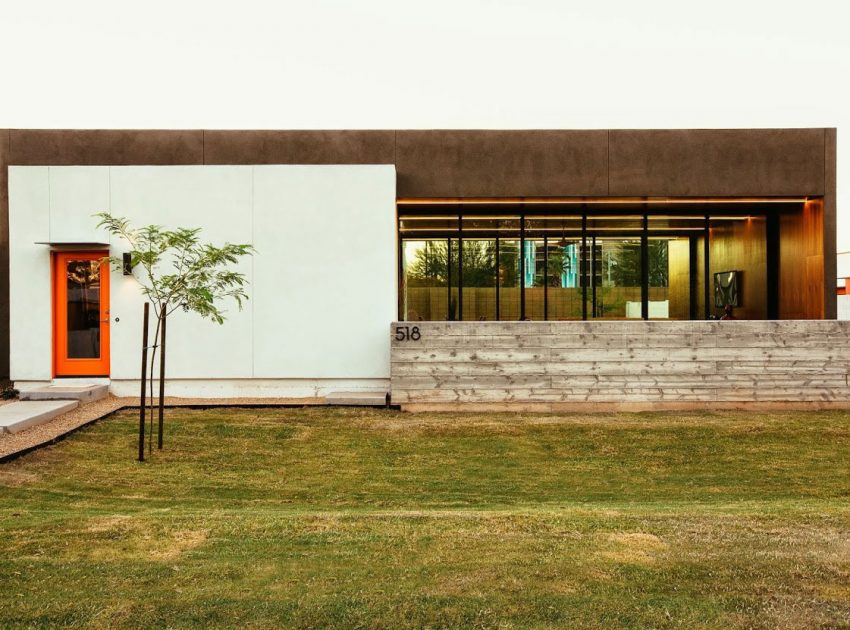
<point>21,415</point>
<point>84,392</point>
<point>368,399</point>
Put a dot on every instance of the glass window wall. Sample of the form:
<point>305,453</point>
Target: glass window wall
<point>424,273</point>
<point>615,278</point>
<point>479,279</point>
<point>509,279</point>
<point>565,265</point>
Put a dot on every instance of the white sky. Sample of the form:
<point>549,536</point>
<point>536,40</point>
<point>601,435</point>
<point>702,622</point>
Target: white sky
<point>330,64</point>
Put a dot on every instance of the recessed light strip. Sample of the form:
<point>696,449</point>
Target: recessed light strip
<point>471,201</point>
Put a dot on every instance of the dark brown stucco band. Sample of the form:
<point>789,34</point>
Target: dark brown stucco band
<point>502,163</point>
<point>717,162</point>
<point>474,163</point>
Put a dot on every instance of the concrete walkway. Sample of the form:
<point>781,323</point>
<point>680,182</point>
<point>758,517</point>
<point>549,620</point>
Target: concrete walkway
<point>41,404</point>
<point>85,393</point>
<point>24,414</point>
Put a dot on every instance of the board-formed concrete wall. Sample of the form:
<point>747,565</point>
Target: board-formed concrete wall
<point>619,365</point>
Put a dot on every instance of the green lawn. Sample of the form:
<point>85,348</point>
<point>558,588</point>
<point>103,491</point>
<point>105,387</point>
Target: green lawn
<point>328,517</point>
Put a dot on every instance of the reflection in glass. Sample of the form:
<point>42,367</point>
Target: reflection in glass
<point>422,226</point>
<point>563,279</point>
<point>658,259</point>
<point>509,280</point>
<point>535,279</point>
<point>454,279</point>
<point>83,283</point>
<point>479,280</point>
<point>669,278</point>
<point>424,269</point>
<point>554,267</point>
<point>615,278</point>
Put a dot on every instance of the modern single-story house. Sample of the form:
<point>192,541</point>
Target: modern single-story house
<point>532,267</point>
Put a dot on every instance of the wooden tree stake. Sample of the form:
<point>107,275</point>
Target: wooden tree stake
<point>161,377</point>
<point>144,371</point>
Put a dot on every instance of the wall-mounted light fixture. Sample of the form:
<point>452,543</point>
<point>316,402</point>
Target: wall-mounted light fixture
<point>127,264</point>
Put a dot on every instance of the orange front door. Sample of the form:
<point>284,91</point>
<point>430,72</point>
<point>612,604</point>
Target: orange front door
<point>80,314</point>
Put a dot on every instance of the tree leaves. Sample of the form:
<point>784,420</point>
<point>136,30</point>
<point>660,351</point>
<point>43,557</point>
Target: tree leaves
<point>199,277</point>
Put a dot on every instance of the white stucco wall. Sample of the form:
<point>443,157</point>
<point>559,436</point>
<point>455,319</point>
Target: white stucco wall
<point>843,307</point>
<point>843,265</point>
<point>322,284</point>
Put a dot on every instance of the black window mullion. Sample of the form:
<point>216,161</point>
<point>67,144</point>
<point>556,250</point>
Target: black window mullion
<point>706,252</point>
<point>772,262</point>
<point>449,314</point>
<point>498,275</point>
<point>693,247</point>
<point>582,263</point>
<point>402,285</point>
<point>545,277</point>
<point>644,268</point>
<point>459,267</point>
<point>593,270</point>
<point>522,265</point>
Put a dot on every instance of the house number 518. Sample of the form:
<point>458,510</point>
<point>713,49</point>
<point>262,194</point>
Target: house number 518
<point>407,333</point>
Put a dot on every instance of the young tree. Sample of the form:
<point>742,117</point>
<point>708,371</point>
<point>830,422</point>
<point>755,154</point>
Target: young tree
<point>197,280</point>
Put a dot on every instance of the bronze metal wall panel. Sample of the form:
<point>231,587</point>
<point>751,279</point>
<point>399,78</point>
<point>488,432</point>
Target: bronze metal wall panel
<point>501,163</point>
<point>105,147</point>
<point>716,162</point>
<point>830,229</point>
<point>299,147</point>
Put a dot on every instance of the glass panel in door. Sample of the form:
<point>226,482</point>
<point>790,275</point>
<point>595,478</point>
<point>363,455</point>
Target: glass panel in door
<point>82,279</point>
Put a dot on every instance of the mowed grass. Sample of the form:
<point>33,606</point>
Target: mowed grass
<point>371,518</point>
